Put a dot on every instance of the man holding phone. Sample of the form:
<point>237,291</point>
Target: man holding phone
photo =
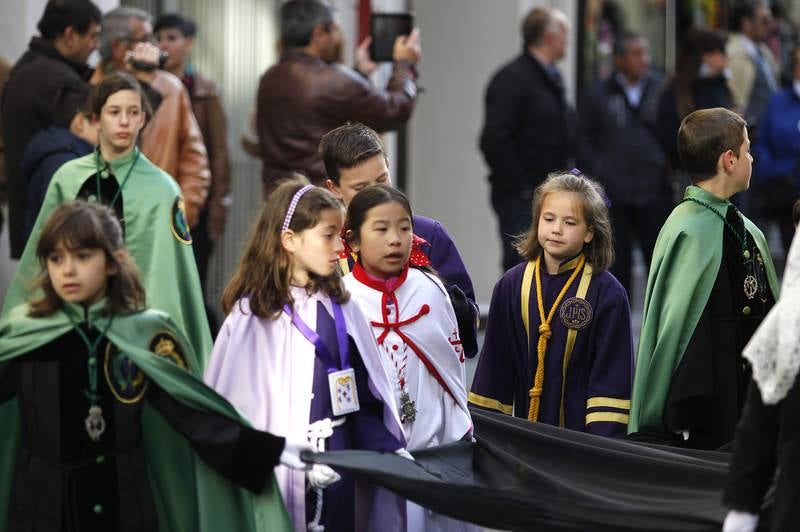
<point>309,92</point>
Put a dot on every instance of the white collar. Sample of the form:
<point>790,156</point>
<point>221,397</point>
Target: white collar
<point>749,46</point>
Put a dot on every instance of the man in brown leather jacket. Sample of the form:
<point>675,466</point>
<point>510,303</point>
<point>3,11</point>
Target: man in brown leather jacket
<point>306,94</point>
<point>171,139</point>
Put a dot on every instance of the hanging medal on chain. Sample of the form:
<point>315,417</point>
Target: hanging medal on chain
<point>408,408</point>
<point>750,286</point>
<point>94,423</point>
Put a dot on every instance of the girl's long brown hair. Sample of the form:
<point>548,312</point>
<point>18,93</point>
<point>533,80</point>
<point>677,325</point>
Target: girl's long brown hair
<point>699,41</point>
<point>264,271</point>
<point>82,225</point>
<point>600,251</point>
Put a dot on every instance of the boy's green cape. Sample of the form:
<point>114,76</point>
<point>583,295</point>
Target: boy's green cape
<point>189,495</point>
<point>156,236</point>
<point>685,264</point>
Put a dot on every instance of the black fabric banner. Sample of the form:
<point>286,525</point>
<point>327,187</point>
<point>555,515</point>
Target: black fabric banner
<point>531,476</point>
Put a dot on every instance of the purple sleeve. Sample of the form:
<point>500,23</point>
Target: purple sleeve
<point>368,430</point>
<point>611,376</point>
<point>496,375</point>
<point>447,262</point>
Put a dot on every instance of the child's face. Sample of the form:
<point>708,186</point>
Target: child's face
<point>742,168</point>
<point>79,276</point>
<point>316,249</point>
<point>373,171</point>
<point>384,242</point>
<point>120,120</point>
<point>562,226</point>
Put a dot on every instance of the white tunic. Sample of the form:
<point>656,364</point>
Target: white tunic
<point>412,322</point>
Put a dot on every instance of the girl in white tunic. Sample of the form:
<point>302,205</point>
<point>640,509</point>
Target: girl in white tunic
<point>300,361</point>
<point>415,326</point>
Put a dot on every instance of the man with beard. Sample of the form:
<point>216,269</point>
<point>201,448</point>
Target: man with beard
<point>46,87</point>
<point>308,93</point>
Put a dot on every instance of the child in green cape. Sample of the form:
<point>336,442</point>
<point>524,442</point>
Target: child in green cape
<point>105,425</point>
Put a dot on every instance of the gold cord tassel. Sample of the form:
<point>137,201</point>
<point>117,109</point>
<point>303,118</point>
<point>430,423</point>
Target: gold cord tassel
<point>535,393</point>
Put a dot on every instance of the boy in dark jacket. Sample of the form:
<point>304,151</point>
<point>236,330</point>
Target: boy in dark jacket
<point>47,151</point>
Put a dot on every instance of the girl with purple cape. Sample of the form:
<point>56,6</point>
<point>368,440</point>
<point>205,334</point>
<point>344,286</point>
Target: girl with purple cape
<point>299,360</point>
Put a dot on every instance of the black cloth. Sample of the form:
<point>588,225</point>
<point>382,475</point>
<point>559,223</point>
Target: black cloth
<point>46,152</point>
<point>709,386</point>
<point>64,481</point>
<point>529,130</point>
<point>532,476</point>
<point>707,93</point>
<point>768,437</point>
<point>43,89</point>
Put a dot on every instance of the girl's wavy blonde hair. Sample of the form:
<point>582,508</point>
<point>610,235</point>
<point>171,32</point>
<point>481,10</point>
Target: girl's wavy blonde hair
<point>600,251</point>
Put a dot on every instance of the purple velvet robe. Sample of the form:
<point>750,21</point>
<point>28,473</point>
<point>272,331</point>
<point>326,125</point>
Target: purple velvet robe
<point>595,396</point>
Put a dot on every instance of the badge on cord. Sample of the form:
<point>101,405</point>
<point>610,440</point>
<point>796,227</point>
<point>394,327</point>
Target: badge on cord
<point>344,395</point>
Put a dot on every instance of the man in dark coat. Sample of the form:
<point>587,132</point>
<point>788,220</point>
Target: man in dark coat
<point>529,129</point>
<point>619,146</point>
<point>46,87</point>
<point>307,94</point>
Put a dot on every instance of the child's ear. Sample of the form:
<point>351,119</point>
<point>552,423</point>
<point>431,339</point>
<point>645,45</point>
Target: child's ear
<point>729,160</point>
<point>288,240</point>
<point>589,235</point>
<point>111,267</point>
<point>352,241</point>
<point>334,188</point>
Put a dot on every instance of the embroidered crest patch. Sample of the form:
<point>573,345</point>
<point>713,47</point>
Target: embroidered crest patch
<point>126,381</point>
<point>576,313</point>
<point>165,345</point>
<point>178,223</point>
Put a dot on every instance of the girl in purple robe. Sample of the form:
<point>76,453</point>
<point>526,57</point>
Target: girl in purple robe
<point>299,360</point>
<point>558,346</point>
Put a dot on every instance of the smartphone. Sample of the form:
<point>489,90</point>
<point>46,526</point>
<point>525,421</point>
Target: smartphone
<point>385,28</point>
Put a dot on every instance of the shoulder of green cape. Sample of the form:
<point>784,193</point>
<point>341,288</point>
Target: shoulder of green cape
<point>73,173</point>
<point>20,333</point>
<point>684,268</point>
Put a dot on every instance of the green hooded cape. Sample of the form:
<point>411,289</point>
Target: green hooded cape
<point>685,265</point>
<point>156,236</point>
<point>189,495</point>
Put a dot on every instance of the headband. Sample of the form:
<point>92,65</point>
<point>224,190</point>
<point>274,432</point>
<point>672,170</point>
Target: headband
<point>293,205</point>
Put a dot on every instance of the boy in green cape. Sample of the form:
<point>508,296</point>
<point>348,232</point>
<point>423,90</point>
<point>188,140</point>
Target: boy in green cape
<point>711,283</point>
<point>103,426</point>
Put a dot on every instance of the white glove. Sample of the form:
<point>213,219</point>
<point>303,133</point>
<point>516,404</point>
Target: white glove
<point>290,457</point>
<point>737,521</point>
<point>321,476</point>
<point>404,453</point>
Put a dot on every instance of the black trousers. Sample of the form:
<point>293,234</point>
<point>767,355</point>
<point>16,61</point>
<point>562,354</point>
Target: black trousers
<point>202,246</point>
<point>513,219</point>
<point>635,224</point>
